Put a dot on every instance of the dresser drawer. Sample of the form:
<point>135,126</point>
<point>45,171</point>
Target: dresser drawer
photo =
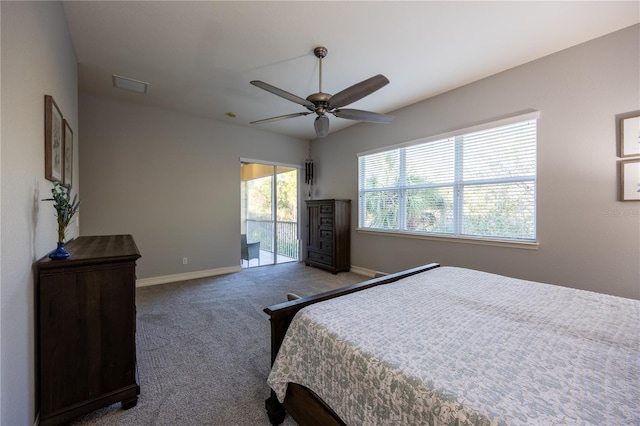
<point>326,246</point>
<point>326,221</point>
<point>326,209</point>
<point>326,234</point>
<point>320,257</point>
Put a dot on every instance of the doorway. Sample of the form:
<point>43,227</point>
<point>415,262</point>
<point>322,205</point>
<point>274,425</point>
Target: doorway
<point>269,213</point>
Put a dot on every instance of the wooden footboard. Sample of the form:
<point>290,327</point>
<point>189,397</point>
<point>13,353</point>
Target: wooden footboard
<point>301,403</point>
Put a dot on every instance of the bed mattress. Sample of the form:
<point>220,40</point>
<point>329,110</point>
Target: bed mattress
<point>455,346</point>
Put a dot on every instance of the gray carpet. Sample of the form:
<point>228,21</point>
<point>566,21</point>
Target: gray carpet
<point>203,347</point>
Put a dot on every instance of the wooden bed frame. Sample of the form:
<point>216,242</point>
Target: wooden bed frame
<point>306,408</point>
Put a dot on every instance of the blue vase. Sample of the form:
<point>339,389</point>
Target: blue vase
<point>59,252</point>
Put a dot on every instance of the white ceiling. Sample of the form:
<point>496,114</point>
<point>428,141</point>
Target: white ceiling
<point>200,56</point>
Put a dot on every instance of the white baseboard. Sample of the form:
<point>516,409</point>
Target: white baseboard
<point>144,282</point>
<point>165,279</point>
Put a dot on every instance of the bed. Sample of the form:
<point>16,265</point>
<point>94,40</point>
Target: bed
<point>453,346</point>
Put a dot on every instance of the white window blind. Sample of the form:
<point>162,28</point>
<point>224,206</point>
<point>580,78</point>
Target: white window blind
<point>480,184</point>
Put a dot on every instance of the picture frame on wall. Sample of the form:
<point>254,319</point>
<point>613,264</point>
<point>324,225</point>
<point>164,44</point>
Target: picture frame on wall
<point>53,141</point>
<point>67,175</point>
<point>630,180</point>
<point>630,136</point>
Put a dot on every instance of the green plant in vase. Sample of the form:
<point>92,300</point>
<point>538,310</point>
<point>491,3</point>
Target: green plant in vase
<point>66,208</point>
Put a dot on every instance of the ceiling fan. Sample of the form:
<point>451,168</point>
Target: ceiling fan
<point>323,103</point>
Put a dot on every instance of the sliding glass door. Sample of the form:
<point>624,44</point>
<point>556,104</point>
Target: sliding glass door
<point>269,213</point>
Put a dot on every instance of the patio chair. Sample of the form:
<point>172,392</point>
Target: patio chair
<point>249,251</point>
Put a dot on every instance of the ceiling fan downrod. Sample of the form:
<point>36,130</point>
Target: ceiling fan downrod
<point>320,53</point>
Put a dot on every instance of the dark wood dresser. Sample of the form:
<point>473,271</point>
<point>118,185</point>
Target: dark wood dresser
<point>329,237</point>
<point>85,328</point>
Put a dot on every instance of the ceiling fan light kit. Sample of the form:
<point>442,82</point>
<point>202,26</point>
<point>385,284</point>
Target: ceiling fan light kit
<point>323,103</point>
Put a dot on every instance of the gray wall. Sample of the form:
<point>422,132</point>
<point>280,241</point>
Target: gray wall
<point>37,59</point>
<point>587,238</point>
<point>170,180</point>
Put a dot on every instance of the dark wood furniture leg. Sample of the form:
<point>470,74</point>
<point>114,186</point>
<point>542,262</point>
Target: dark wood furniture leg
<point>275,410</point>
<point>129,403</point>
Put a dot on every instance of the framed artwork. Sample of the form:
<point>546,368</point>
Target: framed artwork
<point>53,142</point>
<point>630,136</point>
<point>68,155</point>
<point>630,180</point>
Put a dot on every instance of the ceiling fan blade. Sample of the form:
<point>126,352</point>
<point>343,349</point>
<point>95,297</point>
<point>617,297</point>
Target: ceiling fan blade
<point>281,117</point>
<point>283,94</point>
<point>358,91</point>
<point>358,114</point>
<point>322,126</point>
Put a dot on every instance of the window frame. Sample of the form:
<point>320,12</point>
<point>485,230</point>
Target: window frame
<point>456,185</point>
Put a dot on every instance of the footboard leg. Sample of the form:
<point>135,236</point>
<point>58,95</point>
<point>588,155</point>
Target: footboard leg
<point>275,410</point>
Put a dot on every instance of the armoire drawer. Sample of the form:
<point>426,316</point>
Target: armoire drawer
<point>320,257</point>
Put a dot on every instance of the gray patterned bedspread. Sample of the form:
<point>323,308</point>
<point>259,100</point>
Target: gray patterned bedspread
<point>455,346</point>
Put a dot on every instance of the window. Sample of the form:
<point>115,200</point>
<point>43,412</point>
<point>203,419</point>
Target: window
<point>478,183</point>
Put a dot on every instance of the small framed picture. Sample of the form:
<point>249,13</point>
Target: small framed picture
<point>67,173</point>
<point>630,136</point>
<point>53,142</point>
<point>630,180</point>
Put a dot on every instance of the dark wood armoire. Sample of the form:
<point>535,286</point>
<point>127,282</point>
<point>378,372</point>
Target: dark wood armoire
<point>329,234</point>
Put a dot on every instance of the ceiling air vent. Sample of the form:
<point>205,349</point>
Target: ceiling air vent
<point>130,84</point>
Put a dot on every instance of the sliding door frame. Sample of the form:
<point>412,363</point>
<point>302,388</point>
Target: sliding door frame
<point>274,200</point>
